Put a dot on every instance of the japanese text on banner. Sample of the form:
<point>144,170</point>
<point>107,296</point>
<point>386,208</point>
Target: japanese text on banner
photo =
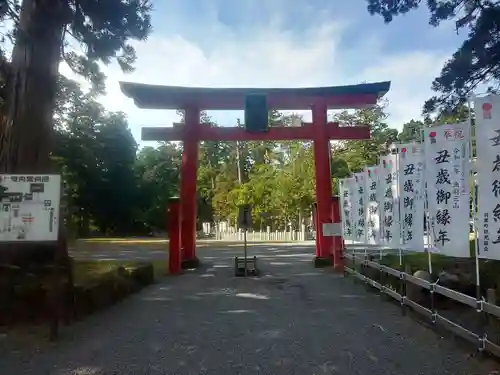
<point>487,110</point>
<point>360,207</point>
<point>372,210</point>
<point>446,176</point>
<point>389,199</point>
<point>346,187</point>
<point>411,167</point>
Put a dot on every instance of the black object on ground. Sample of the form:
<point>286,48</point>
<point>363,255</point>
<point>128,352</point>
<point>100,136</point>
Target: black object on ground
<point>245,266</point>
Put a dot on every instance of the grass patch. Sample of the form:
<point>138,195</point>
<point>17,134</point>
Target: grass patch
<point>124,240</point>
<point>418,261</point>
<point>489,270</point>
<point>89,271</point>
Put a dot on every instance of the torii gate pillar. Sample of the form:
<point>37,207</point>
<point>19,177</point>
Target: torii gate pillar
<point>189,170</point>
<point>321,147</point>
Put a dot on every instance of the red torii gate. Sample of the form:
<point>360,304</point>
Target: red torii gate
<point>319,99</point>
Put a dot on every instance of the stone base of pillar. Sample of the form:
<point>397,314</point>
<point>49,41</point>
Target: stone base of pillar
<point>320,262</point>
<point>188,264</point>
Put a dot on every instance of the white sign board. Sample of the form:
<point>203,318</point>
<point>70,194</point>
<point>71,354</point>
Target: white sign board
<point>373,209</point>
<point>389,200</point>
<point>487,110</point>
<point>346,196</point>
<point>358,206</point>
<point>332,229</point>
<point>29,207</point>
<point>245,216</point>
<point>412,198</point>
<point>447,178</point>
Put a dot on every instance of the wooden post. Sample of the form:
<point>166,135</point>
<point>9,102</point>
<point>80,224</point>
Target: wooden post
<point>188,187</point>
<point>174,227</point>
<point>323,182</point>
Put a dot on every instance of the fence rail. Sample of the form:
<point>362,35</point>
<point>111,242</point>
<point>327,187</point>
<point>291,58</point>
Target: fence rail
<point>486,312</point>
<point>255,236</point>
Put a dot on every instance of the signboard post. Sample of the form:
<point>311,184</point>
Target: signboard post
<point>245,222</point>
<point>245,216</point>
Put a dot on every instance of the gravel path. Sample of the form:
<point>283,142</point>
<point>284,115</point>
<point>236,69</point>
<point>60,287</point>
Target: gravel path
<point>291,320</point>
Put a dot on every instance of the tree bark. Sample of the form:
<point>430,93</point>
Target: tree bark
<point>26,124</point>
<point>26,116</point>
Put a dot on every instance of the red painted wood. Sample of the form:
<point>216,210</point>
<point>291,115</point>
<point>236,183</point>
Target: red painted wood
<point>189,171</point>
<point>338,242</point>
<point>207,133</point>
<point>322,158</point>
<point>174,236</point>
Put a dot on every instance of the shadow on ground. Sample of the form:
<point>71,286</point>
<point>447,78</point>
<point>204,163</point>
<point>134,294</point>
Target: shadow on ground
<point>293,319</point>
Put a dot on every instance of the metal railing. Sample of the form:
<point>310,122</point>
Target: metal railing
<point>487,313</point>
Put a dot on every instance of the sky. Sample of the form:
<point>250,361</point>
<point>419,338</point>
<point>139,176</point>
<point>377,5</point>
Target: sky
<point>283,43</point>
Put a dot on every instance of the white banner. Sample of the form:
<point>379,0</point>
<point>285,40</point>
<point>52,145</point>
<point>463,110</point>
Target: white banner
<point>359,200</point>
<point>346,187</point>
<point>373,209</point>
<point>447,169</point>
<point>412,199</point>
<point>388,196</point>
<point>487,110</point>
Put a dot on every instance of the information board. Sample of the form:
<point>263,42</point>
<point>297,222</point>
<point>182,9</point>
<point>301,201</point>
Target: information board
<point>332,229</point>
<point>245,216</point>
<point>29,207</point>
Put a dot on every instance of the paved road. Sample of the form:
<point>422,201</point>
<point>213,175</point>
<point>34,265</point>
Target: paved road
<point>292,320</point>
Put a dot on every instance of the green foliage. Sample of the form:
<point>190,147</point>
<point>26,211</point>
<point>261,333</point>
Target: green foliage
<point>412,131</point>
<point>103,29</point>
<point>96,153</point>
<point>82,32</point>
<point>157,171</point>
<point>477,60</point>
<point>359,154</point>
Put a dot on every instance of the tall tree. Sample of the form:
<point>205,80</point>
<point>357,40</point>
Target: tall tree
<point>412,131</point>
<point>42,27</point>
<point>358,154</point>
<point>477,60</point>
<point>96,154</point>
<point>158,172</point>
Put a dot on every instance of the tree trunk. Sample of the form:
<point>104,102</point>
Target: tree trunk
<point>26,132</point>
<point>26,117</point>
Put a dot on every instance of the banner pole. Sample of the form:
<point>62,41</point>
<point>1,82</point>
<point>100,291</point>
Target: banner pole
<point>474,197</point>
<point>366,203</point>
<point>340,189</point>
<point>479,299</point>
<point>397,206</point>
<point>363,184</point>
<point>427,214</point>
<point>379,213</point>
